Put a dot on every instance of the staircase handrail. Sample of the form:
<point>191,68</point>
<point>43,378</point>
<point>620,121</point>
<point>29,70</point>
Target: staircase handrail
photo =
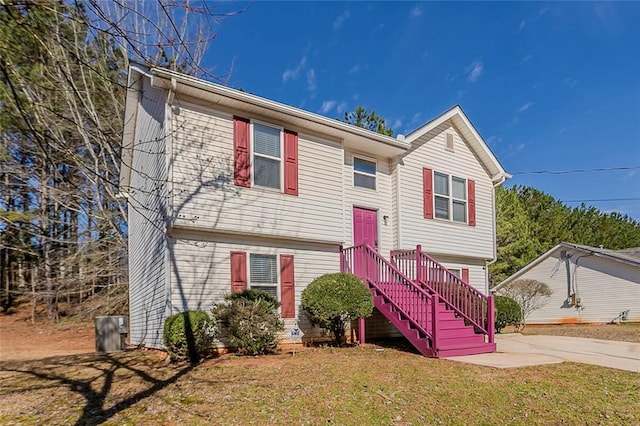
<point>390,269</point>
<point>480,318</point>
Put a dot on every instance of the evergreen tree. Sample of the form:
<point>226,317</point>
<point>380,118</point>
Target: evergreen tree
<point>368,120</point>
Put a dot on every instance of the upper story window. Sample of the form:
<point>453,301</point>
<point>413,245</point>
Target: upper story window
<point>450,195</point>
<point>364,173</point>
<point>263,273</point>
<point>267,157</point>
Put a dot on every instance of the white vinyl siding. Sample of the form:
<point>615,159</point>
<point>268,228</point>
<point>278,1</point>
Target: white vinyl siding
<point>147,208</point>
<point>446,237</point>
<point>201,270</point>
<point>477,275</point>
<point>605,289</point>
<point>378,200</point>
<point>205,197</point>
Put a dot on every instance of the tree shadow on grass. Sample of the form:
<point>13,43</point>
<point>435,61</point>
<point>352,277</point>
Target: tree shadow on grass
<point>397,343</point>
<point>95,378</point>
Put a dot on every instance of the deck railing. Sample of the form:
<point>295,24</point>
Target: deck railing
<point>465,300</point>
<point>403,293</point>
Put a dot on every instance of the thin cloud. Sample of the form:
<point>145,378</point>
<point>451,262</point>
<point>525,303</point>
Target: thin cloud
<point>494,140</point>
<point>474,71</point>
<point>342,107</point>
<point>340,19</point>
<point>416,11</point>
<point>526,58</point>
<point>311,80</point>
<point>354,69</point>
<point>523,24</point>
<point>293,73</point>
<point>525,107</point>
<point>513,150</point>
<point>397,123</point>
<point>327,106</point>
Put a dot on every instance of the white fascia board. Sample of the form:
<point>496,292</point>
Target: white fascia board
<point>164,78</point>
<point>456,112</point>
<point>134,75</point>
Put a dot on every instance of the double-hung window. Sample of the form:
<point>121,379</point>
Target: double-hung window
<point>263,273</point>
<point>450,197</point>
<point>267,157</point>
<point>364,173</point>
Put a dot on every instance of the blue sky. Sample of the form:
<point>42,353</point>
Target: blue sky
<point>550,86</point>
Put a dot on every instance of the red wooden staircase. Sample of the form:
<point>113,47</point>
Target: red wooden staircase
<point>436,311</point>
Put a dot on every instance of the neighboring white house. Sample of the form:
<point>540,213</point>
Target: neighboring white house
<point>228,190</point>
<point>590,285</point>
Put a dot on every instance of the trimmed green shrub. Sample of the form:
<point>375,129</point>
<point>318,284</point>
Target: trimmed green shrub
<point>252,295</point>
<point>334,300</point>
<point>251,320</point>
<point>508,312</point>
<point>189,335</point>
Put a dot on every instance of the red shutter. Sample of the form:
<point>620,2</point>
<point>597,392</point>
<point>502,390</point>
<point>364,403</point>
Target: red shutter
<point>465,275</point>
<point>290,162</point>
<point>427,192</point>
<point>287,287</point>
<point>238,271</point>
<point>472,202</point>
<point>241,162</point>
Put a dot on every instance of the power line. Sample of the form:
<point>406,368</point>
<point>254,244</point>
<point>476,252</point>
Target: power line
<point>564,172</point>
<point>601,200</point>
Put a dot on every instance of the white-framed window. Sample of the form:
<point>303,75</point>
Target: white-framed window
<point>450,197</point>
<point>263,273</point>
<point>364,173</point>
<point>267,156</point>
<point>456,271</point>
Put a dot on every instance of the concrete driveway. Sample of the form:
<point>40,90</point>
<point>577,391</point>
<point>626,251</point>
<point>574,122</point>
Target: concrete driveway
<point>516,350</point>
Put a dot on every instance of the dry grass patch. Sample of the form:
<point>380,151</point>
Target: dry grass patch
<point>623,332</point>
<point>316,386</point>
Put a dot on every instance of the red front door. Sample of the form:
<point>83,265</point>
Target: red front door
<point>365,227</point>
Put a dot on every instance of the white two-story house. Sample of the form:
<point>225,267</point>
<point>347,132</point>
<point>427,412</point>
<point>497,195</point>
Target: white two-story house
<point>228,190</point>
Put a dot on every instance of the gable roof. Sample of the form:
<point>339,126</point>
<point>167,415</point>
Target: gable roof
<point>621,256</point>
<point>471,135</point>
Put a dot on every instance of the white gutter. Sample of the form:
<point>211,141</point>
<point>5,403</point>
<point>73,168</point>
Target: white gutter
<point>398,201</point>
<point>271,105</point>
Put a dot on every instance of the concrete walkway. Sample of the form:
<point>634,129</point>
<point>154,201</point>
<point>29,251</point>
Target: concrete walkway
<point>516,350</point>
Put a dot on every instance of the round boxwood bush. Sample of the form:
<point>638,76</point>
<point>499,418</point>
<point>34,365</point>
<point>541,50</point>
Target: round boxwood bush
<point>251,320</point>
<point>334,300</point>
<point>189,335</point>
<point>508,312</point>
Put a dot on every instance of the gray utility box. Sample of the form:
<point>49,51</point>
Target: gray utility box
<point>111,333</point>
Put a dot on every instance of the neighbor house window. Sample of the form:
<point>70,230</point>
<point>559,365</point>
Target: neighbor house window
<point>263,273</point>
<point>266,156</point>
<point>364,173</point>
<point>450,197</point>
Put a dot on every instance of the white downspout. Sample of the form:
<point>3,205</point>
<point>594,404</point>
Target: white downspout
<point>398,201</point>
